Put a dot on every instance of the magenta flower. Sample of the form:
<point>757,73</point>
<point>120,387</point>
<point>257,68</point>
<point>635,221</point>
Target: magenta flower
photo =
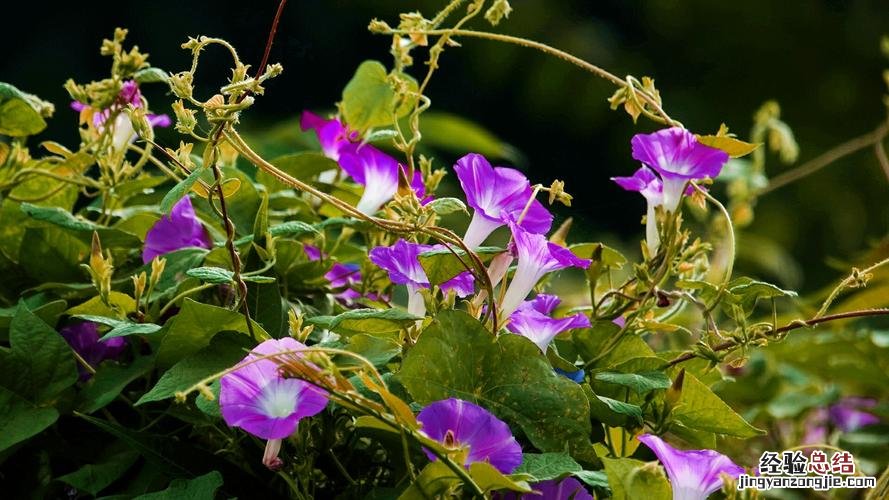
<point>84,340</point>
<point>649,186</point>
<point>694,474</point>
<point>847,414</point>
<point>180,229</point>
<point>332,134</point>
<point>259,400</point>
<point>532,319</point>
<point>460,424</point>
<point>341,277</point>
<point>377,172</point>
<point>402,262</point>
<point>497,195</point>
<point>536,257</point>
<point>678,157</point>
<point>554,489</point>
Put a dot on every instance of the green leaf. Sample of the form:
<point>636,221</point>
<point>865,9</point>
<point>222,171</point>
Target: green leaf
<point>489,478</point>
<point>631,479</point>
<point>698,408</point>
<point>613,412</point>
<point>747,291</point>
<point>151,75</point>
<point>442,264</point>
<point>546,466</point>
<point>121,303</point>
<point>109,381</point>
<point>200,488</point>
<point>266,304</point>
<point>456,134</point>
<point>437,478</point>
<point>110,237</point>
<point>369,321</point>
<point>303,166</point>
<point>21,419</point>
<point>641,383</point>
<point>215,275</point>
<point>594,478</point>
<point>242,205</point>
<point>224,351</point>
<point>192,328</point>
<point>376,349</point>
<point>457,357</point>
<point>121,328</point>
<point>39,365</point>
<point>21,114</point>
<point>180,189</point>
<point>178,263</point>
<point>289,228</point>
<point>151,447</point>
<point>369,99</point>
<point>93,478</point>
<point>444,206</point>
<point>51,254</point>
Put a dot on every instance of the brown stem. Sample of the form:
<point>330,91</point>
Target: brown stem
<point>728,344</point>
<point>828,157</point>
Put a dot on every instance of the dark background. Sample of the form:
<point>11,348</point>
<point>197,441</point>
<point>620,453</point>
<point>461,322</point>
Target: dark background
<point>713,62</point>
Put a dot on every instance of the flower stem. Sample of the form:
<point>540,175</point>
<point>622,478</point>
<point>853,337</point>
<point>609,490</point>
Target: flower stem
<point>793,325</point>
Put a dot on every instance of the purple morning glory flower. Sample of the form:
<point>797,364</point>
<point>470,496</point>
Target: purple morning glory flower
<point>536,257</point>
<point>532,320</point>
<point>84,340</point>
<point>180,229</point>
<point>848,415</point>
<point>678,157</point>
<point>340,276</point>
<point>259,400</point>
<point>554,489</point>
<point>649,186</point>
<point>497,195</point>
<point>460,424</point>
<point>332,134</point>
<point>694,474</point>
<point>402,262</point>
<point>377,172</point>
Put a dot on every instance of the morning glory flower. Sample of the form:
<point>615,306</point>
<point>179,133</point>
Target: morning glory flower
<point>848,415</point>
<point>377,172</point>
<point>694,474</point>
<point>332,134</point>
<point>678,157</point>
<point>259,400</point>
<point>180,229</point>
<point>536,257</point>
<point>649,186</point>
<point>532,320</point>
<point>402,262</point>
<point>460,424</point>
<point>553,489</point>
<point>497,195</point>
<point>84,340</point>
<point>341,276</point>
